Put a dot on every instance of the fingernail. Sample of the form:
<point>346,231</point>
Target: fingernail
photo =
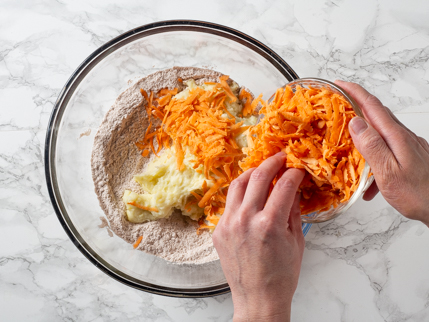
<point>281,154</point>
<point>358,125</point>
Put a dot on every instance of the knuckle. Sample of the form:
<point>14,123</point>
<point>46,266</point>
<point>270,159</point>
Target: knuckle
<point>286,184</point>
<point>239,220</point>
<point>242,215</point>
<point>373,143</point>
<point>220,235</point>
<point>237,183</point>
<point>372,100</point>
<point>215,236</point>
<point>267,226</point>
<point>259,175</point>
<point>240,225</point>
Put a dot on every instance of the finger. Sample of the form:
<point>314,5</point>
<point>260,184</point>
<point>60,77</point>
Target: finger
<point>260,181</point>
<point>295,223</point>
<point>372,147</point>
<point>371,192</point>
<point>377,115</point>
<point>236,192</point>
<point>282,197</point>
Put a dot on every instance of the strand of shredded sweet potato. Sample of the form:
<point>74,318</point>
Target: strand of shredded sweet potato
<point>135,204</point>
<point>311,126</point>
<point>196,122</point>
<point>138,241</point>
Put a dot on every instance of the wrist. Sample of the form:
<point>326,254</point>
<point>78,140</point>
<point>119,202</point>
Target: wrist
<point>261,309</point>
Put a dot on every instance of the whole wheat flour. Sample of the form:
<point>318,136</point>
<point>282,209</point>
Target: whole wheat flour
<point>116,159</point>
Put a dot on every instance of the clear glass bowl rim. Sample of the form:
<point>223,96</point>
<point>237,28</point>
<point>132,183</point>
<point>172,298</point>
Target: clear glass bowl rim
<point>61,103</point>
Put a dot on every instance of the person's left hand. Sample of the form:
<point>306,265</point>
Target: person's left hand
<point>260,241</point>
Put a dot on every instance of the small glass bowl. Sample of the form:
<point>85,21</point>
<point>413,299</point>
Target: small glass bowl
<point>366,179</point>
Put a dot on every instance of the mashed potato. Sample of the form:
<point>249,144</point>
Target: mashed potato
<point>166,188</point>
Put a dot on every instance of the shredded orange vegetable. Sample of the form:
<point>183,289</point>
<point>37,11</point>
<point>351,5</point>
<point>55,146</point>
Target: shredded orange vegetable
<point>211,192</point>
<point>310,126</point>
<point>133,203</point>
<point>196,123</point>
<point>138,241</point>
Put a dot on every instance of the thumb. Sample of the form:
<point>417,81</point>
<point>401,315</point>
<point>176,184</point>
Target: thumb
<point>372,146</point>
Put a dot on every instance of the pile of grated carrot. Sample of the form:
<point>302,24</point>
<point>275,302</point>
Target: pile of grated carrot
<point>311,126</point>
<point>196,123</point>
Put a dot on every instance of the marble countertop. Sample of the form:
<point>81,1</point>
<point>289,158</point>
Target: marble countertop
<point>369,265</point>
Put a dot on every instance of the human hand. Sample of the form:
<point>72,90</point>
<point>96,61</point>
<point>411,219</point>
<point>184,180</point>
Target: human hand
<point>399,159</point>
<point>260,242</point>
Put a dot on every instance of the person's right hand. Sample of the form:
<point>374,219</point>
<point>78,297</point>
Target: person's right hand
<point>399,159</point>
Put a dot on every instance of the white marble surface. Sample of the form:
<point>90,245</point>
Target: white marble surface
<point>369,265</point>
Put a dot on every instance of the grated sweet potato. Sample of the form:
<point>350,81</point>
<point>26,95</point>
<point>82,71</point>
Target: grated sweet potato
<point>138,241</point>
<point>135,204</point>
<point>311,126</point>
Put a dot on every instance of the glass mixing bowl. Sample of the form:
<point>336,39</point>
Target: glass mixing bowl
<point>81,106</point>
